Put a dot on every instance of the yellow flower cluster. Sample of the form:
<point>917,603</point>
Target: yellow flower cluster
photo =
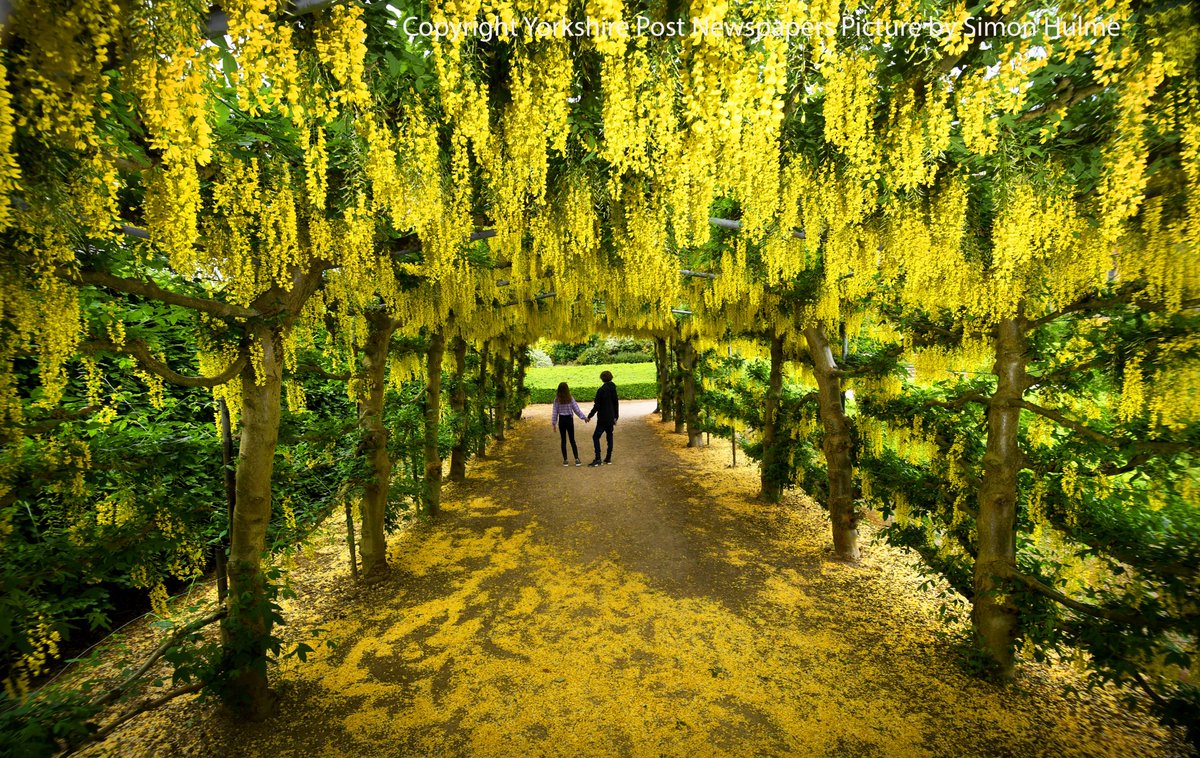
<point>61,84</point>
<point>44,316</point>
<point>159,600</point>
<point>155,388</point>
<point>341,44</point>
<point>171,73</point>
<point>932,364</point>
<point>917,138</point>
<point>115,510</point>
<point>289,512</point>
<point>1123,185</point>
<point>172,208</point>
<point>211,360</point>
<point>851,96</point>
<point>1174,396</point>
<point>10,172</point>
<point>985,95</point>
<point>1133,392</point>
<point>267,75</point>
<point>294,396</point>
<point>42,638</point>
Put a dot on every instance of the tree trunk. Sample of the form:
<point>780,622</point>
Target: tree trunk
<point>522,366</point>
<point>837,446</point>
<point>481,442</point>
<point>373,543</point>
<point>663,375</point>
<point>350,540</point>
<point>458,404</point>
<point>230,480</point>
<point>771,484</point>
<point>691,408</point>
<point>500,379</point>
<point>246,630</point>
<point>432,500</point>
<point>993,615</point>
<point>678,415</point>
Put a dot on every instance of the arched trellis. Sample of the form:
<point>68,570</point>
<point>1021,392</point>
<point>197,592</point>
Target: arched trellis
<point>877,175</point>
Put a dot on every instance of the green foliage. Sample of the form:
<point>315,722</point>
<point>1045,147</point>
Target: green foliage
<point>735,397</point>
<point>251,641</point>
<point>567,353</point>
<point>599,351</point>
<point>93,511</point>
<point>37,727</point>
<point>626,356</point>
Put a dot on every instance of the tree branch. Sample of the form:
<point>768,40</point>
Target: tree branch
<point>959,402</point>
<point>1122,617</point>
<point>138,350</point>
<point>736,225</point>
<point>1130,465</point>
<point>146,705</point>
<point>1063,101</point>
<point>1072,424</point>
<point>60,417</point>
<point>170,642</point>
<point>1124,296</point>
<point>1157,698</point>
<point>533,299</point>
<point>315,370</point>
<point>1065,371</point>
<point>153,291</point>
<point>1144,450</point>
<point>1131,555</point>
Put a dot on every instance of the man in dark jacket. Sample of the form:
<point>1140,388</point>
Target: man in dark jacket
<point>605,407</point>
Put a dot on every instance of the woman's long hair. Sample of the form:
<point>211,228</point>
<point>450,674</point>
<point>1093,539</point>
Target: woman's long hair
<point>564,393</point>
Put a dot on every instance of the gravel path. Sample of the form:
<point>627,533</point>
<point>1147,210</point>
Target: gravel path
<point>651,607</point>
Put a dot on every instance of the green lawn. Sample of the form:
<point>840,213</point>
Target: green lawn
<point>634,381</point>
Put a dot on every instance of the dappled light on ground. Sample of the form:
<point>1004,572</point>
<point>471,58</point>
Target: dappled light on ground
<point>652,607</point>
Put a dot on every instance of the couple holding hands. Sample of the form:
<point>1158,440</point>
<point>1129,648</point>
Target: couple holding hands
<point>604,407</point>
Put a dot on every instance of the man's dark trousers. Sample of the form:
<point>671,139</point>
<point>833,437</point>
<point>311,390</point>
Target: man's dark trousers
<point>607,431</point>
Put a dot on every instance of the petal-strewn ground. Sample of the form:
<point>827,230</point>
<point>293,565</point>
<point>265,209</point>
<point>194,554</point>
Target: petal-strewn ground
<point>651,607</point>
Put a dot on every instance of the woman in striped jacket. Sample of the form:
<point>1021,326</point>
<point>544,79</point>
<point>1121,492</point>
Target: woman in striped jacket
<point>561,419</point>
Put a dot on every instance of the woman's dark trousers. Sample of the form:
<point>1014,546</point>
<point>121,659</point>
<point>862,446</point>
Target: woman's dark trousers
<point>566,428</point>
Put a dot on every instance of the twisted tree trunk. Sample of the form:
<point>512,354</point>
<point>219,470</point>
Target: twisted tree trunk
<point>678,414</point>
<point>373,543</point>
<point>519,372</point>
<point>838,442</point>
<point>432,492</point>
<point>770,486</point>
<point>993,615</point>
<point>247,629</point>
<point>230,480</point>
<point>662,372</point>
<point>691,408</point>
<point>481,442</point>
<point>500,379</point>
<point>458,404</point>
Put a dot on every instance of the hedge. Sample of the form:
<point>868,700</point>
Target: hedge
<point>635,391</point>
